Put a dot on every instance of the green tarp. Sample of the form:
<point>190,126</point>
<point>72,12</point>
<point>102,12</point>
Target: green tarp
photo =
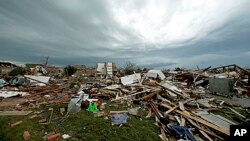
<point>92,107</point>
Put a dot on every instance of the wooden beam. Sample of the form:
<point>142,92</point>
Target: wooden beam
<point>131,95</point>
<point>237,113</point>
<point>181,105</point>
<point>176,106</point>
<point>175,92</point>
<point>204,130</point>
<point>204,122</point>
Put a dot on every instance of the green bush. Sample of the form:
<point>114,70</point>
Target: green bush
<point>69,70</point>
<point>17,71</point>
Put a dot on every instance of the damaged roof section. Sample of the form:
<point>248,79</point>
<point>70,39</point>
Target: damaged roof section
<point>130,79</point>
<point>155,74</point>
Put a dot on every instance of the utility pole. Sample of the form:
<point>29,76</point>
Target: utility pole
<point>46,62</point>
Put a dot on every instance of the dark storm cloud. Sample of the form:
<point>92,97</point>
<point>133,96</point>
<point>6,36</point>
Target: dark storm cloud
<point>52,30</point>
<point>87,32</point>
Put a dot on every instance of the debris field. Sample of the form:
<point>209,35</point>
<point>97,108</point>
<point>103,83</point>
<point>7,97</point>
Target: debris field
<point>185,104</point>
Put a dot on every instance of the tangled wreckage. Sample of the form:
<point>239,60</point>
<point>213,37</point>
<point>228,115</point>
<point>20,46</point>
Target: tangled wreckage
<point>182,102</point>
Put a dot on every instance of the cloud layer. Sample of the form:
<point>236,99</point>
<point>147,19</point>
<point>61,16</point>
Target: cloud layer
<point>154,33</point>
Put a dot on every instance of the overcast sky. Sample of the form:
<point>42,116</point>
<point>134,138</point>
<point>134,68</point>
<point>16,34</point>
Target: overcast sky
<point>156,33</point>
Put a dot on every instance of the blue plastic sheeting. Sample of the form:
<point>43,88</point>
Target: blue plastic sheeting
<point>182,132</point>
<point>119,118</point>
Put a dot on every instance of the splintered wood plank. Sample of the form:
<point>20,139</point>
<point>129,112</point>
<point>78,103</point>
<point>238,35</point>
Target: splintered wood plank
<point>200,120</point>
<point>176,106</point>
<point>15,113</point>
<point>204,130</point>
<point>181,105</point>
<point>16,123</point>
<point>163,135</point>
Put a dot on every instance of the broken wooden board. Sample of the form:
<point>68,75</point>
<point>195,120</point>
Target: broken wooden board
<point>205,135</point>
<point>176,106</point>
<point>15,113</point>
<point>237,113</point>
<point>148,97</point>
<point>124,97</point>
<point>200,120</point>
<point>155,110</point>
<point>42,120</point>
<point>184,95</point>
<point>204,131</point>
<point>181,105</point>
<point>215,119</point>
<point>16,123</point>
<point>163,135</point>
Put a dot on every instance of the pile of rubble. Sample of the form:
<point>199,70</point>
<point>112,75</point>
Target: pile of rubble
<point>182,101</point>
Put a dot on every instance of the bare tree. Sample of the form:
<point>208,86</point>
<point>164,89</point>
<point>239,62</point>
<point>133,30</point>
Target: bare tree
<point>129,68</point>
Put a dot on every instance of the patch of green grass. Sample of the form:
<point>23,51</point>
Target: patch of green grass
<point>224,113</point>
<point>227,113</point>
<point>8,133</point>
<point>82,126</point>
<point>242,112</point>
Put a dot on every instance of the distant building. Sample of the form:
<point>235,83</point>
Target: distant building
<point>28,66</point>
<point>107,69</point>
<point>6,67</point>
<point>79,67</point>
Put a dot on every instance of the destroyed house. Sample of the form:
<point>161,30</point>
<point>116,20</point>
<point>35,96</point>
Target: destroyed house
<point>6,67</point>
<point>176,101</point>
<point>107,69</point>
<point>232,71</point>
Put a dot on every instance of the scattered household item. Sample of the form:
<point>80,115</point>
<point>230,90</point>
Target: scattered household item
<point>26,135</point>
<point>38,80</point>
<point>66,136</point>
<point>75,103</point>
<point>181,132</point>
<point>156,74</point>
<point>17,81</point>
<point>92,107</point>
<point>119,118</point>
<point>7,94</point>
<point>130,79</point>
